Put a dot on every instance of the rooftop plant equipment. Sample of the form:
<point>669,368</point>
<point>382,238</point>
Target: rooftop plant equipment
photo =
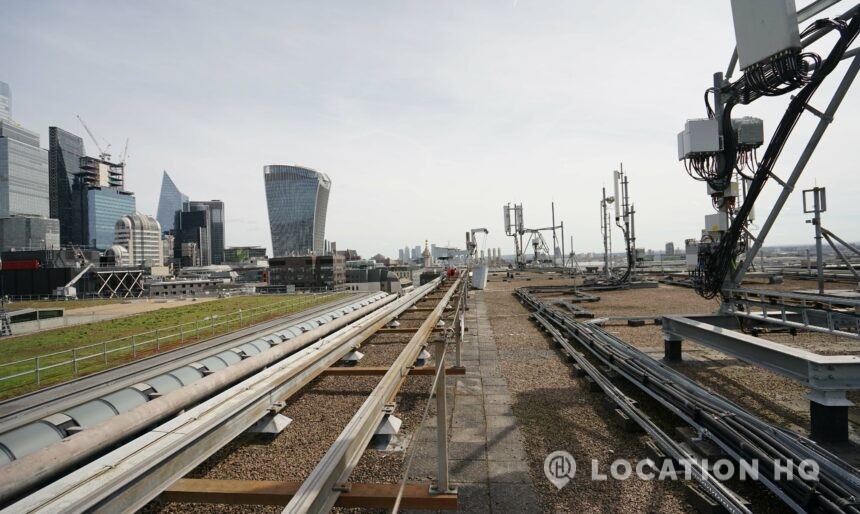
<point>722,151</point>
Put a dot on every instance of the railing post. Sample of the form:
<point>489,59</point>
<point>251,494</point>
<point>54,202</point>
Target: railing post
<point>197,329</point>
<point>75,361</point>
<point>181,335</point>
<point>38,371</point>
<point>441,421</point>
<point>157,341</point>
<point>104,352</point>
<point>133,346</point>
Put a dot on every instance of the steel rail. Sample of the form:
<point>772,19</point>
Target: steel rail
<point>135,473</point>
<point>31,407</point>
<point>320,490</point>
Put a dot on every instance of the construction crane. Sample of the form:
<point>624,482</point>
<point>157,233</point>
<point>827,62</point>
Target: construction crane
<point>104,154</point>
<point>124,156</point>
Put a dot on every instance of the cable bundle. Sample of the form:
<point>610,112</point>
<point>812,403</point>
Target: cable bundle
<point>716,260</point>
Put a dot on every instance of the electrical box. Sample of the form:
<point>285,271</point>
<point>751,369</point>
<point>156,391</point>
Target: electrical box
<point>730,192</point>
<point>749,130</point>
<point>764,29</point>
<point>700,137</point>
<point>682,152</point>
<point>718,222</point>
<point>692,254</point>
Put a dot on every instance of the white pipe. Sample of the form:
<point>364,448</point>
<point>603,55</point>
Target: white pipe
<point>30,471</point>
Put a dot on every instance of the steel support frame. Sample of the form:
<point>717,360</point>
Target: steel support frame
<point>823,122</point>
<point>321,489</point>
<point>776,307</point>
<point>135,473</point>
<point>828,376</point>
<point>824,373</point>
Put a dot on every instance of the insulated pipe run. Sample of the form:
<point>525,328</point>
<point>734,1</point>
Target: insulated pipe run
<point>37,468</point>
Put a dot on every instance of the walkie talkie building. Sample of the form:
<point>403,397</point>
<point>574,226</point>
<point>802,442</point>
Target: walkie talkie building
<point>297,199</point>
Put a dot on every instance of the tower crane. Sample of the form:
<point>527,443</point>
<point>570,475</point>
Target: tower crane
<point>124,156</point>
<point>104,154</point>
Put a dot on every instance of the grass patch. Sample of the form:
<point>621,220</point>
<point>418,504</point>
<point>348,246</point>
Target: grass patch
<point>105,344</point>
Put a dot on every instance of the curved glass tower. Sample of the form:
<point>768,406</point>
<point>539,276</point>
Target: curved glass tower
<point>297,199</point>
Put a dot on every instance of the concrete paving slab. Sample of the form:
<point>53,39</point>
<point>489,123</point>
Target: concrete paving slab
<point>467,451</point>
<point>508,471</point>
<point>483,430</point>
<point>468,471</point>
<point>512,498</point>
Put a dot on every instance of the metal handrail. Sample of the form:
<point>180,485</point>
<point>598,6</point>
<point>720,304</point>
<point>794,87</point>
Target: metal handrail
<point>148,341</point>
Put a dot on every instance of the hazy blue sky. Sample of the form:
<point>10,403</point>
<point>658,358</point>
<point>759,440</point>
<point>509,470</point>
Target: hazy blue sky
<point>428,116</point>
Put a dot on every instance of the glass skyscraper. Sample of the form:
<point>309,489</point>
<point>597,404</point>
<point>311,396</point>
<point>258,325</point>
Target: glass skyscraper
<point>65,151</point>
<point>23,172</point>
<point>5,102</point>
<point>214,209</point>
<point>297,200</point>
<point>104,206</point>
<point>170,201</point>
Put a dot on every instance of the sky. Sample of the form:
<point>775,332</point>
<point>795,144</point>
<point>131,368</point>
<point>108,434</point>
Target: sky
<point>427,116</point>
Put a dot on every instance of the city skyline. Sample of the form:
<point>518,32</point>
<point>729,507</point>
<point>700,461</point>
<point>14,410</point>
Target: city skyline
<point>504,100</point>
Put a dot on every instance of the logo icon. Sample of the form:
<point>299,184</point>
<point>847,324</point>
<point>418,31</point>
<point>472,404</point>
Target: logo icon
<point>559,467</point>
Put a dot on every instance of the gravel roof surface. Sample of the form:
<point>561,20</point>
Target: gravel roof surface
<point>557,412</point>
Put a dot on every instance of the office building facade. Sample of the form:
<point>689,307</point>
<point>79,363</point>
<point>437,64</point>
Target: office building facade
<point>308,272</point>
<point>170,200</point>
<point>23,233</point>
<point>96,211</point>
<point>23,173</point>
<point>215,227</point>
<point>65,151</point>
<point>243,254</point>
<point>5,102</point>
<point>140,235</point>
<point>192,228</point>
<point>297,200</point>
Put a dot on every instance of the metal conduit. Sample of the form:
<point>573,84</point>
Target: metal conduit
<point>736,431</point>
<point>37,468</point>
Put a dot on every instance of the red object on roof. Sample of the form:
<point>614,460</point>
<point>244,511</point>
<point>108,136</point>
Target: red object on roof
<point>24,264</point>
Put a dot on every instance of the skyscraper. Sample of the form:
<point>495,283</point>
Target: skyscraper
<point>297,199</point>
<point>170,201</point>
<point>23,172</point>
<point>24,205</point>
<point>5,102</point>
<point>191,242</point>
<point>65,151</point>
<point>101,207</point>
<point>213,253</point>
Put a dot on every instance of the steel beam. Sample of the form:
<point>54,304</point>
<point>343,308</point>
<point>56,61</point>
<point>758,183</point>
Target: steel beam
<point>382,370</point>
<point>820,372</point>
<point>266,492</point>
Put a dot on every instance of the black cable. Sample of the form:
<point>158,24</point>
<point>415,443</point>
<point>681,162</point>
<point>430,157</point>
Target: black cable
<point>716,261</point>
